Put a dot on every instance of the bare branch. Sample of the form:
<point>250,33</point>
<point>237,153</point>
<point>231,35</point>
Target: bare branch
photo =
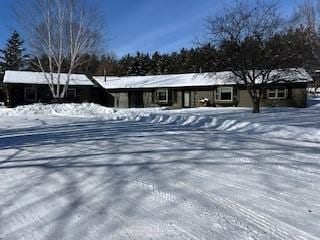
<point>61,31</point>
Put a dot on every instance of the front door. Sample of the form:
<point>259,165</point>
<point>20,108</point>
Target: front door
<point>136,99</point>
<point>186,100</point>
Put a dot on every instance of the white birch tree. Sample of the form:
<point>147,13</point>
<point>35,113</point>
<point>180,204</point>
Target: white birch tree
<point>60,31</point>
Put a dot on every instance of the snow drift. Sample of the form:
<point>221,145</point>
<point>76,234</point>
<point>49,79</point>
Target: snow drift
<point>237,120</point>
<point>70,109</point>
<point>78,110</point>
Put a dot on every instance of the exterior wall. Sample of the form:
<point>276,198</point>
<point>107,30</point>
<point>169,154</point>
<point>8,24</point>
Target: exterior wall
<point>241,98</point>
<point>244,99</point>
<point>147,99</point>
<point>16,94</point>
<point>124,99</point>
<point>298,98</point>
<point>121,99</point>
<point>178,103</point>
<point>2,93</point>
<point>173,103</point>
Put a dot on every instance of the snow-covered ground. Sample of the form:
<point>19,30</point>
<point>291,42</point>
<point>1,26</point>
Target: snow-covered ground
<point>86,172</point>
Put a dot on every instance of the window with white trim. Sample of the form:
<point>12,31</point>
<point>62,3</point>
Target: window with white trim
<point>224,94</point>
<point>30,94</point>
<point>162,96</point>
<point>277,93</point>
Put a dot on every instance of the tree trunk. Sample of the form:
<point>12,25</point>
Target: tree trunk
<point>57,100</point>
<point>256,105</point>
<point>255,99</point>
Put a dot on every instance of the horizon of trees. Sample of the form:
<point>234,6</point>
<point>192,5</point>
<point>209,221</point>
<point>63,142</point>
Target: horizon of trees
<point>202,58</point>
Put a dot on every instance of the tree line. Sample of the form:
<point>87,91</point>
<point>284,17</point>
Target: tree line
<point>204,58</point>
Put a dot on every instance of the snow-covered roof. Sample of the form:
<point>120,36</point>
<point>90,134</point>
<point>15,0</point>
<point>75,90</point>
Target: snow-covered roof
<point>191,79</point>
<point>25,77</point>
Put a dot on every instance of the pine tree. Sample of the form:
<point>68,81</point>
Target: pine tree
<point>13,55</point>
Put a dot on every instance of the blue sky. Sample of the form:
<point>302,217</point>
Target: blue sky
<point>147,25</point>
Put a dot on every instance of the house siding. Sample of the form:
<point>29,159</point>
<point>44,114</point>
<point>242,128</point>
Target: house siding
<point>241,98</point>
<point>244,99</point>
<point>147,99</point>
<point>298,98</point>
<point>121,99</point>
<point>2,93</point>
<point>178,104</point>
<point>16,94</point>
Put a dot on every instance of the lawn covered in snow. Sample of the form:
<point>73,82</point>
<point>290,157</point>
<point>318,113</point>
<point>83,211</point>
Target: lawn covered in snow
<point>83,171</point>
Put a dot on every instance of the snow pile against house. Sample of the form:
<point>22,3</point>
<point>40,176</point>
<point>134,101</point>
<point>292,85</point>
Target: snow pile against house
<point>24,77</point>
<point>68,109</point>
<point>79,110</point>
<point>192,79</point>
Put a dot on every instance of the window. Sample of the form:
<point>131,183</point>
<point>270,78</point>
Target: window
<point>272,93</point>
<point>277,93</point>
<point>224,94</point>
<point>30,94</point>
<point>162,96</point>
<point>281,93</point>
<point>71,93</point>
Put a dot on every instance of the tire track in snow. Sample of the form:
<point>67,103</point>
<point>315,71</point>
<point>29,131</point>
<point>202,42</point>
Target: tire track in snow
<point>263,221</point>
<point>153,189</point>
<point>133,183</point>
<point>266,223</point>
<point>228,219</point>
<point>173,223</point>
<point>244,186</point>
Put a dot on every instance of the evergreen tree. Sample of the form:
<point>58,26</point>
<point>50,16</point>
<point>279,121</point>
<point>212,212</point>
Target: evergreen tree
<point>126,65</point>
<point>155,64</point>
<point>89,66</point>
<point>109,66</point>
<point>13,56</point>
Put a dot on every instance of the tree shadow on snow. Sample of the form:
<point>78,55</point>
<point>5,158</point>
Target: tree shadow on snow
<point>107,178</point>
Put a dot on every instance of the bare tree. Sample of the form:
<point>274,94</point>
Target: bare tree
<point>60,31</point>
<point>245,35</point>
